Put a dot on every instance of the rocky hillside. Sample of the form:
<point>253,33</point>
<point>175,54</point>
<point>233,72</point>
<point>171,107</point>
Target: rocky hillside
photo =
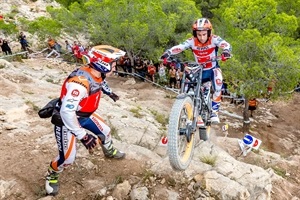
<point>15,10</point>
<point>218,171</point>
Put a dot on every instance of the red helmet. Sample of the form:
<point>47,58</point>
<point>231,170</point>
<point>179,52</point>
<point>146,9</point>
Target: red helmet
<point>202,24</point>
<point>101,57</point>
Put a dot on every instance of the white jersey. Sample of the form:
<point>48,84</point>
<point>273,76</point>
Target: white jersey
<point>203,52</point>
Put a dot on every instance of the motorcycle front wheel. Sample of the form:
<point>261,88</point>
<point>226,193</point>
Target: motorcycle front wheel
<point>181,141</point>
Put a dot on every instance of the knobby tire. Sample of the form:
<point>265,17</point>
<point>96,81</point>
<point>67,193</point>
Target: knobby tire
<point>180,156</point>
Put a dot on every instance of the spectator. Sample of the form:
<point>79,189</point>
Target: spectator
<point>76,52</point>
<point>179,75</point>
<point>5,47</point>
<point>1,41</point>
<point>51,43</point>
<point>120,63</point>
<point>81,47</point>
<point>162,74</point>
<point>297,89</point>
<point>127,65</point>
<point>270,88</point>
<point>68,47</point>
<point>54,47</point>
<point>23,41</point>
<point>172,75</point>
<point>252,105</point>
<point>151,71</point>
<point>225,88</point>
<point>140,69</point>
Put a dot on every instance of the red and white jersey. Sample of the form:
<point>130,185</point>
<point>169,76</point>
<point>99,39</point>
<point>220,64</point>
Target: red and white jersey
<point>203,52</point>
<point>80,96</point>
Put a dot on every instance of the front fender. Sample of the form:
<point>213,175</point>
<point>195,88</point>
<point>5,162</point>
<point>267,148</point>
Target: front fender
<point>183,95</point>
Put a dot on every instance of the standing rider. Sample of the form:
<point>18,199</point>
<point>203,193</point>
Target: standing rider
<point>205,47</point>
<point>79,99</point>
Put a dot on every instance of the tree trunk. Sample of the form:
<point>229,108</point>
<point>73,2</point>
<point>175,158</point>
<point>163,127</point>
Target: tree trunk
<point>130,56</point>
<point>246,122</point>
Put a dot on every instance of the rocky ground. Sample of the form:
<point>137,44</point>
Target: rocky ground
<point>138,121</point>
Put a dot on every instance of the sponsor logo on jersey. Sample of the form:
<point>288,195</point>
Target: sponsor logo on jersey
<point>202,48</point>
<point>219,82</point>
<point>97,123</point>
<point>65,138</point>
<point>176,50</point>
<point>71,100</point>
<point>70,106</point>
<point>78,82</point>
<point>58,137</point>
<point>223,45</point>
<point>75,93</point>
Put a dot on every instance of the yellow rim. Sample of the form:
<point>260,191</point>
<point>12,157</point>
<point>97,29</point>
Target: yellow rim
<point>189,146</point>
<point>208,131</point>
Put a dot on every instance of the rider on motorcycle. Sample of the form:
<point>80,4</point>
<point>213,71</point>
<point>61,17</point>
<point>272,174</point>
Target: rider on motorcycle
<point>205,47</point>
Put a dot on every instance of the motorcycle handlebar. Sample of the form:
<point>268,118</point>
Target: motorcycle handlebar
<point>217,58</point>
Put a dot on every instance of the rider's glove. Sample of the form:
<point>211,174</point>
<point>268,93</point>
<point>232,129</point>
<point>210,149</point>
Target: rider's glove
<point>166,55</point>
<point>105,88</point>
<point>89,141</point>
<point>114,97</point>
<point>225,55</point>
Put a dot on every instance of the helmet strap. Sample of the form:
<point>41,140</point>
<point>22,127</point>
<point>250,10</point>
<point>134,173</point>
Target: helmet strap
<point>103,76</point>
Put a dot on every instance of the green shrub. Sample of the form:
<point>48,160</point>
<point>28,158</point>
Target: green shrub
<point>210,160</point>
<point>8,28</point>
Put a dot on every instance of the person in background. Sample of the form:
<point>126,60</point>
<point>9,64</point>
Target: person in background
<point>76,52</point>
<point>79,99</point>
<point>23,41</point>
<point>68,46</point>
<point>205,46</point>
<point>1,42</point>
<point>172,76</point>
<point>151,70</point>
<point>5,47</point>
<point>252,106</point>
<point>127,65</point>
<point>81,47</point>
<point>140,69</point>
<point>54,47</point>
<point>162,74</point>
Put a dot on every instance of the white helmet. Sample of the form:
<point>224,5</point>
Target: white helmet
<point>101,57</point>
